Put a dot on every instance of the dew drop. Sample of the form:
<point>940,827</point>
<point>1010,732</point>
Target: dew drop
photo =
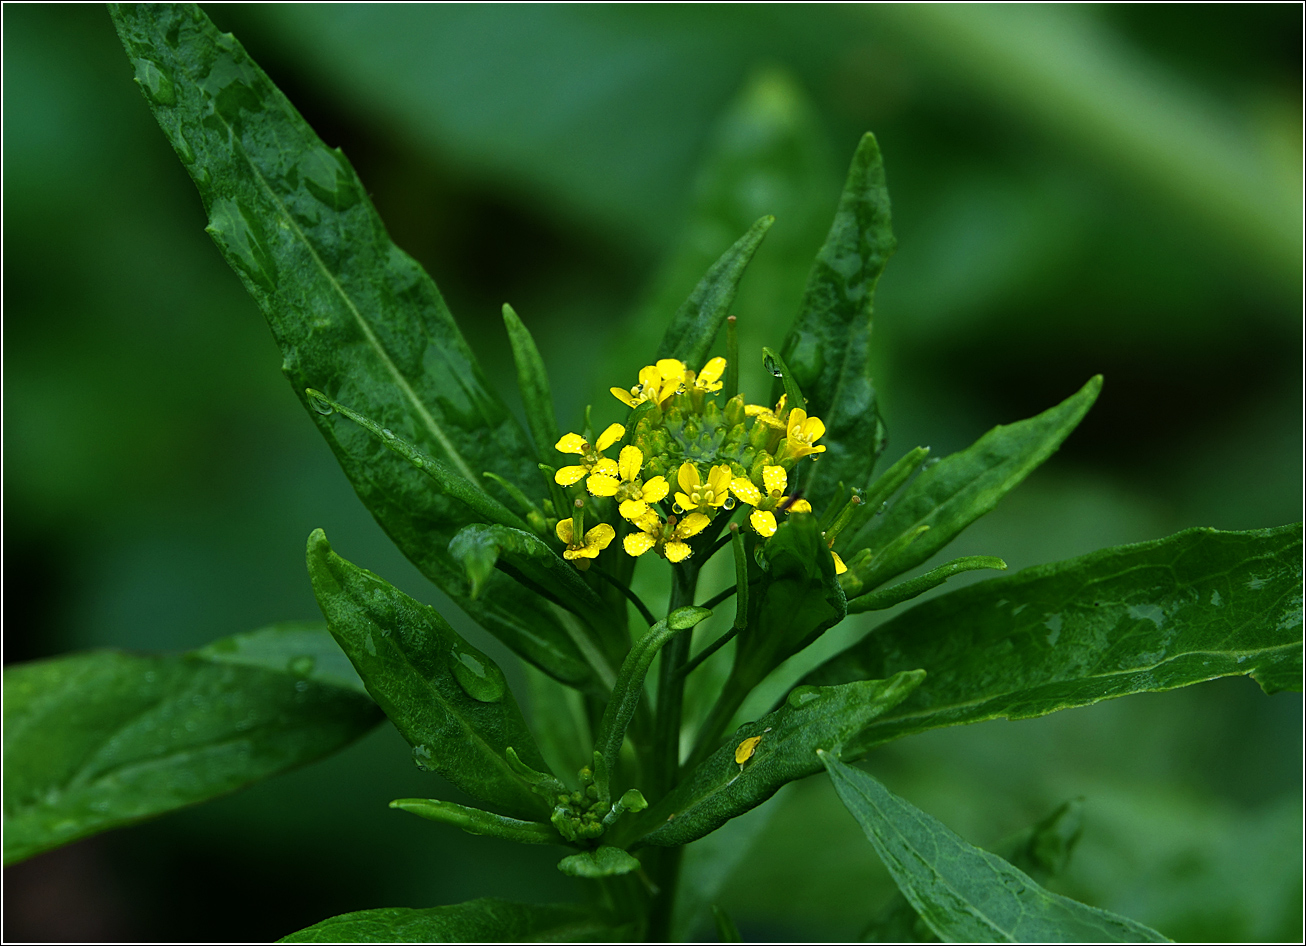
<point>156,83</point>
<point>729,503</point>
<point>417,461</point>
<point>770,365</point>
<point>303,665</point>
<point>239,235</point>
<point>387,433</point>
<point>184,150</point>
<point>369,644</point>
<point>319,402</point>
<point>423,759</point>
<point>801,696</point>
<point>482,680</point>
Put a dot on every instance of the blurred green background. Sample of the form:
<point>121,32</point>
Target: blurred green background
<point>1075,190</point>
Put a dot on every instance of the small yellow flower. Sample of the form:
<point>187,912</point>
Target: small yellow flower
<point>764,415</point>
<point>667,537</point>
<point>776,481</point>
<point>802,433</point>
<point>592,459</point>
<point>700,496</point>
<point>707,380</point>
<point>839,566</point>
<point>633,494</point>
<point>594,542</point>
<point>656,383</point>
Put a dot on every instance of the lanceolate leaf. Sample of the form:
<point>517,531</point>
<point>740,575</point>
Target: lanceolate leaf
<point>828,348</point>
<point>486,920</point>
<point>102,739</point>
<point>1137,618</point>
<point>953,493</point>
<point>533,382</point>
<point>354,315</point>
<point>696,323</point>
<point>719,788</point>
<point>449,700</point>
<point>963,893</point>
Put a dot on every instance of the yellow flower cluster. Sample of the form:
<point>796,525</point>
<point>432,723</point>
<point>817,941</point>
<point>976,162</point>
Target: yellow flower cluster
<point>698,496</point>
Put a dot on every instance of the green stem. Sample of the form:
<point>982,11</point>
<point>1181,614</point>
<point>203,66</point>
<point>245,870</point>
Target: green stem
<point>708,651</point>
<point>633,598</point>
<point>716,599</point>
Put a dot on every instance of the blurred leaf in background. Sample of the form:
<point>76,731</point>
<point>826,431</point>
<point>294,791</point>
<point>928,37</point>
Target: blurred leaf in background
<point>1075,190</point>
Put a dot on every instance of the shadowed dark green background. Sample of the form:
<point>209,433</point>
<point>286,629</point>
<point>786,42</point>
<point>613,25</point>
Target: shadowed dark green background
<point>1075,190</point>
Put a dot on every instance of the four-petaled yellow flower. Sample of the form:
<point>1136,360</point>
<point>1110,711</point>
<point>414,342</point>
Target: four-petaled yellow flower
<point>802,433</point>
<point>591,544</point>
<point>709,379</point>
<point>633,494</point>
<point>776,481</point>
<point>656,383</point>
<point>592,459</point>
<point>699,496</point>
<point>667,537</point>
<point>771,418</point>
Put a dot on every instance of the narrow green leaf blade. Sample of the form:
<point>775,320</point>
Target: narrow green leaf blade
<point>353,314</point>
<point>603,862</point>
<point>99,740</point>
<point>476,821</point>
<point>904,591</point>
<point>719,788</point>
<point>960,488</point>
<point>1136,618</point>
<point>449,700</point>
<point>533,382</point>
<point>828,347</point>
<point>696,323</point>
<point>963,893</point>
<point>488,920</point>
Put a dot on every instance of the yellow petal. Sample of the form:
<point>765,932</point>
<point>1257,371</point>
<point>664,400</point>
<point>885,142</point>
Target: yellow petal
<point>684,502</point>
<point>610,436</point>
<point>797,417</point>
<point>650,376</point>
<point>649,522</point>
<point>751,410</point>
<point>570,443</point>
<point>606,467</point>
<point>687,477</point>
<point>601,485</point>
<point>839,566</point>
<point>711,372</point>
<point>813,428</point>
<point>763,522</point>
<point>563,529</point>
<point>692,524</point>
<point>632,509</point>
<point>569,475</point>
<point>745,490</point>
<point>718,478</point>
<point>623,396</point>
<point>677,551</point>
<point>637,543</point>
<point>632,458</point>
<point>800,505</point>
<point>671,369</point>
<point>573,554</point>
<point>656,489</point>
<point>600,537</point>
<point>775,479</point>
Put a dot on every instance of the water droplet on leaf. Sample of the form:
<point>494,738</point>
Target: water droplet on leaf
<point>423,759</point>
<point>481,679</point>
<point>156,83</point>
<point>303,665</point>
<point>319,402</point>
<point>387,433</point>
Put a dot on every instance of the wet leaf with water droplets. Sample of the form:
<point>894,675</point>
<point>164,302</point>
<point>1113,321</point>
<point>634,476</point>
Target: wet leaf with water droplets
<point>477,921</point>
<point>102,739</point>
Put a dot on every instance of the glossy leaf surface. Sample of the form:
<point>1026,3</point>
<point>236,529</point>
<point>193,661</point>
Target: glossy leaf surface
<point>354,315</point>
<point>696,323</point>
<point>1137,618</point>
<point>963,893</point>
<point>449,700</point>
<point>828,348</point>
<point>533,383</point>
<point>602,862</point>
<point>951,494</point>
<point>97,740</point>
<point>719,788</point>
<point>476,821</point>
<point>485,920</point>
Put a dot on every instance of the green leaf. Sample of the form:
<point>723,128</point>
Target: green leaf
<point>726,930</point>
<point>604,862</point>
<point>629,688</point>
<point>354,316</point>
<point>696,323</point>
<point>485,920</point>
<point>828,348</point>
<point>1137,618</point>
<point>102,739</point>
<point>533,382</point>
<point>776,366</point>
<point>951,494</point>
<point>476,821</point>
<point>963,893</point>
<point>719,788</point>
<point>449,700</point>
<point>1042,851</point>
<point>906,590</point>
